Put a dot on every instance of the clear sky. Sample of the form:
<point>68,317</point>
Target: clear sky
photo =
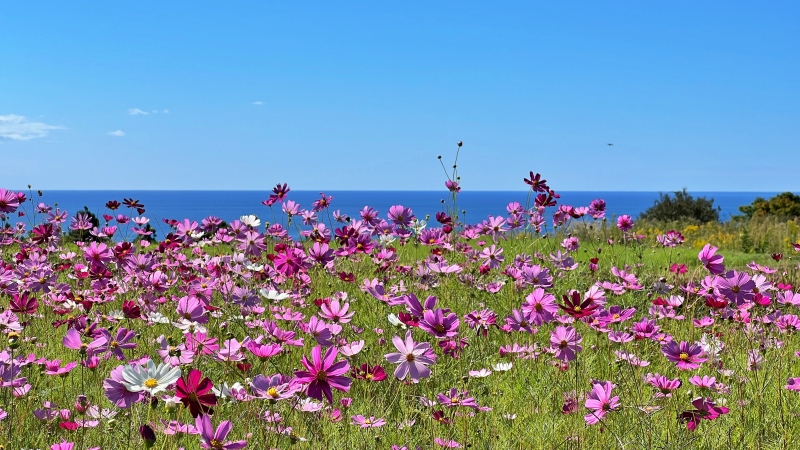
<point>365,95</point>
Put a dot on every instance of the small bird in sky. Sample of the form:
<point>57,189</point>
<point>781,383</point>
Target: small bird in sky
<point>610,145</point>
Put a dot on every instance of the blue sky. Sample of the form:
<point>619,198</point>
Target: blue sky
<point>366,95</point>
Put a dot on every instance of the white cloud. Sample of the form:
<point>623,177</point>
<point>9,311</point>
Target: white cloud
<point>17,128</point>
<point>118,133</point>
<point>259,103</point>
<point>166,111</point>
<point>137,111</point>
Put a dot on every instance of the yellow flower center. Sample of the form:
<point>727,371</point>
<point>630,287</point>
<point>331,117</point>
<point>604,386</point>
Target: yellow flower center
<point>367,422</point>
<point>114,344</point>
<point>215,444</point>
<point>369,376</point>
<point>151,383</point>
<point>454,400</point>
<point>683,356</point>
<point>272,392</point>
<point>410,357</point>
<point>735,289</point>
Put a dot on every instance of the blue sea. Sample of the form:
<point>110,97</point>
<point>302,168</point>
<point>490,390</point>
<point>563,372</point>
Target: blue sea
<point>230,205</point>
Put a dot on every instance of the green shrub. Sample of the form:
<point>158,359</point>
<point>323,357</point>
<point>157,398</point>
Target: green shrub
<point>786,205</point>
<point>682,207</point>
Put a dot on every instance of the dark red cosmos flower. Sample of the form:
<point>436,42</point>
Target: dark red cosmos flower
<point>131,203</point>
<point>23,304</point>
<point>112,205</point>
<point>42,233</point>
<point>194,391</point>
<point>440,417</point>
<point>536,182</point>
<point>131,310</point>
<point>777,256</point>
<point>577,308</point>
<point>347,277</point>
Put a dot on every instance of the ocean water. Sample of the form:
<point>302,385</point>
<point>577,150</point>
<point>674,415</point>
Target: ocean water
<point>230,205</point>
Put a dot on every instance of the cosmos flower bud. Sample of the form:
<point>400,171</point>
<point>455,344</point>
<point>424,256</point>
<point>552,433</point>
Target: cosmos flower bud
<point>148,435</point>
<point>459,143</point>
<point>13,340</point>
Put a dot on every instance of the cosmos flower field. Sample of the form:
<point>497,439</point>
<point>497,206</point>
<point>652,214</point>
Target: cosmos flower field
<point>388,330</point>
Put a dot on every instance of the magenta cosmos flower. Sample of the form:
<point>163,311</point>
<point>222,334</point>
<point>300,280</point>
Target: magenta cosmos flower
<point>711,260</point>
<point>413,357</point>
<point>625,222</point>
<point>685,356</point>
<point>322,374</point>
<point>600,402</point>
<point>565,341</point>
<point>439,324</point>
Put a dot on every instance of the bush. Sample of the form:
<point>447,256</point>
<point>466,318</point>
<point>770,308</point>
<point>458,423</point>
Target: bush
<point>682,207</point>
<point>785,205</point>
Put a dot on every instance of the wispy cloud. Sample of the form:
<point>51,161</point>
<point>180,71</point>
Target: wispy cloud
<point>137,111</point>
<point>18,128</point>
<point>118,133</point>
<point>258,103</point>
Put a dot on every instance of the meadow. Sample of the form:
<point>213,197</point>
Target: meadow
<point>395,332</point>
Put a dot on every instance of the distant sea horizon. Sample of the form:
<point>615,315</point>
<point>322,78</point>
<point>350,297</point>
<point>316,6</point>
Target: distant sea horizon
<point>232,204</point>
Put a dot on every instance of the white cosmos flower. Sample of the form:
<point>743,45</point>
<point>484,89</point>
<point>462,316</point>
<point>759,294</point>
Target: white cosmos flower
<point>502,367</point>
<point>254,267</point>
<point>273,295</point>
<point>386,239</point>
<point>157,317</point>
<point>395,321</point>
<point>153,379</point>
<point>251,221</point>
<point>418,225</point>
<point>189,326</point>
<point>224,391</point>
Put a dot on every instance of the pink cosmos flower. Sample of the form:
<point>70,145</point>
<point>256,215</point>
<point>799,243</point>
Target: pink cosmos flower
<point>413,357</point>
<point>367,422</point>
<point>322,374</point>
<point>704,409</point>
<point>336,312</point>
<point>793,384</point>
<point>215,440</point>
<point>711,260</point>
<point>54,367</point>
<point>116,392</point>
<point>565,341</point>
<point>401,215</point>
<point>276,387</point>
<point>737,287</point>
<point>600,402</point>
<point>685,356</point>
<point>455,398</point>
<point>664,385</point>
<point>492,256</point>
<point>540,306</point>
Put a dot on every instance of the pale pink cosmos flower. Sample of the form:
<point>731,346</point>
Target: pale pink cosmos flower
<point>367,422</point>
<point>413,357</point>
